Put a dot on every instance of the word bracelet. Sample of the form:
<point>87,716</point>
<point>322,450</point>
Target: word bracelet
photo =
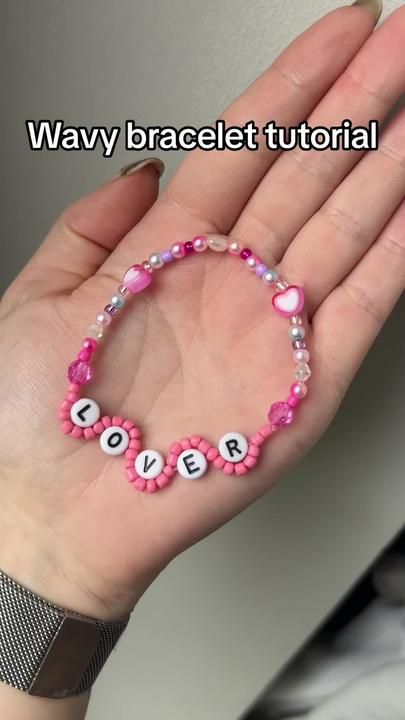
<point>147,470</point>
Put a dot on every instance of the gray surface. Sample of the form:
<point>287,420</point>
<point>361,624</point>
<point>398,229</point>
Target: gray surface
<point>226,615</point>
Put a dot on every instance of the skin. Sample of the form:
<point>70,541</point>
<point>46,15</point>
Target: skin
<point>201,351</point>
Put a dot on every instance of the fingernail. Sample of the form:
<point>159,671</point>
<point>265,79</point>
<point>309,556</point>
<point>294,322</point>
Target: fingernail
<point>134,167</point>
<point>374,6</point>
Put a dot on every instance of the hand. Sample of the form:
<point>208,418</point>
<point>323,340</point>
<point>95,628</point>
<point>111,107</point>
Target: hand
<point>200,352</point>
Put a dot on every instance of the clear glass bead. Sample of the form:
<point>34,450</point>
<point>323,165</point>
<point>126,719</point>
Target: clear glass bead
<point>96,331</point>
<point>303,372</point>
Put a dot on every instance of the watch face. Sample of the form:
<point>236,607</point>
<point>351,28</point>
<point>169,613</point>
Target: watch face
<point>354,667</point>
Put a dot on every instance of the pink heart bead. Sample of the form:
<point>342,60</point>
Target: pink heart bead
<point>137,279</point>
<point>289,302</point>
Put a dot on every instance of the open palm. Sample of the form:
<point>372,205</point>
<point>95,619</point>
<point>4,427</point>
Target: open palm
<point>201,351</point>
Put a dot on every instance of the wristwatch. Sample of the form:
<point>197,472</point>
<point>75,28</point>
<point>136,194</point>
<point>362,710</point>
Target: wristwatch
<point>46,650</point>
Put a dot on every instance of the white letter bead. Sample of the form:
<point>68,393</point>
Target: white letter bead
<point>85,413</point>
<point>192,464</point>
<point>149,464</point>
<point>233,447</point>
<point>114,440</point>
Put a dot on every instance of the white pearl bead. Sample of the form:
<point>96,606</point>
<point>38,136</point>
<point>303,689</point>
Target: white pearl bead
<point>149,464</point>
<point>85,413</point>
<point>233,447</point>
<point>114,440</point>
<point>251,263</point>
<point>103,319</point>
<point>155,261</point>
<point>218,243</point>
<point>301,356</point>
<point>269,277</point>
<point>117,301</point>
<point>192,464</point>
<point>234,248</point>
<point>296,332</point>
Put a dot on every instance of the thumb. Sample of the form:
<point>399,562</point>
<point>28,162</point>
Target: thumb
<point>86,233</point>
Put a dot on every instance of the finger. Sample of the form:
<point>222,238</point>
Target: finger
<point>85,234</point>
<point>338,236</point>
<point>301,181</point>
<point>350,319</point>
<point>215,186</point>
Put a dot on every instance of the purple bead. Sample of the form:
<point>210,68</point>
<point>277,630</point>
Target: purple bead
<point>111,310</point>
<point>299,345</point>
<point>245,254</point>
<point>79,372</point>
<point>261,269</point>
<point>189,247</point>
<point>280,414</point>
<point>167,256</point>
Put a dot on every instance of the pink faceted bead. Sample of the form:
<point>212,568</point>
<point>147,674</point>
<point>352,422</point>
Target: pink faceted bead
<point>280,414</point>
<point>137,279</point>
<point>79,372</point>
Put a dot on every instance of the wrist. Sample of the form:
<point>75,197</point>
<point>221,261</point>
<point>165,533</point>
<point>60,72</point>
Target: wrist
<point>41,561</point>
<point>15,705</point>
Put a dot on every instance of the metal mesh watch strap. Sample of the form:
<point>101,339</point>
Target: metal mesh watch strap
<point>48,651</point>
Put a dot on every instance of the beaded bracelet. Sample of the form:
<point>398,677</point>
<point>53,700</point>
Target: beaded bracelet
<point>147,470</point>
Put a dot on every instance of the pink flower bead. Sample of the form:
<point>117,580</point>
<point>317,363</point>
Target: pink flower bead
<point>67,427</point>
<point>240,469</point>
<point>219,462</point>
<point>204,446</point>
<point>229,468</point>
<point>132,475</point>
<point>137,279</point>
<point>79,372</point>
<point>162,481</point>
<point>212,454</point>
<point>140,484</point>
<point>118,420</point>
<point>250,461</point>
